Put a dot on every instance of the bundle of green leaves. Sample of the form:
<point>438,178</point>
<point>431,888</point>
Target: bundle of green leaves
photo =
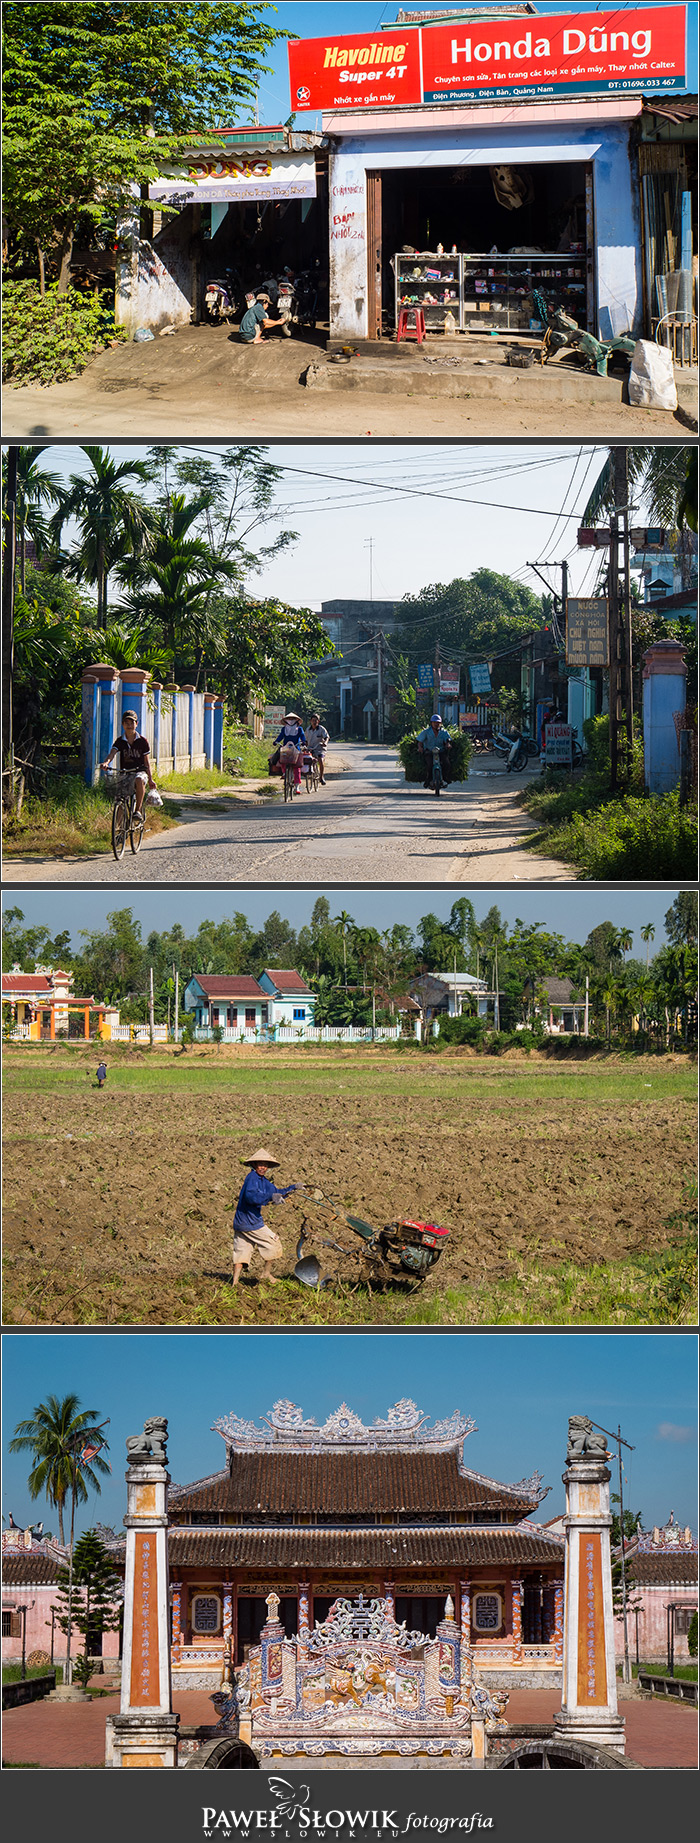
<point>413,762</point>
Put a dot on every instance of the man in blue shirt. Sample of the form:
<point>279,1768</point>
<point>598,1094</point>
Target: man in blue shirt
<point>249,1230</point>
<point>430,739</point>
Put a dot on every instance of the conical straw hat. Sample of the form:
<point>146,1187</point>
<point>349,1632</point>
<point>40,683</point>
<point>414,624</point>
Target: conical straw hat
<point>261,1157</point>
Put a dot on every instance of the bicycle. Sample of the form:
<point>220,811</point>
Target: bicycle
<point>127,821</point>
<point>308,772</point>
<point>289,782</point>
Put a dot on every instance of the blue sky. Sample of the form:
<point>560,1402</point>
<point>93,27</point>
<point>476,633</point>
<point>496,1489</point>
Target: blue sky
<point>572,913</point>
<point>310,20</point>
<point>520,1390</point>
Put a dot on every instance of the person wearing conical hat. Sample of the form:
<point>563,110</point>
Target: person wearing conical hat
<point>249,1230</point>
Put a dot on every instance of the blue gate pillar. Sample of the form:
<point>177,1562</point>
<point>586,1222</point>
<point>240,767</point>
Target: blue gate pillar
<point>218,726</point>
<point>134,688</point>
<point>190,721</point>
<point>209,702</point>
<point>664,696</point>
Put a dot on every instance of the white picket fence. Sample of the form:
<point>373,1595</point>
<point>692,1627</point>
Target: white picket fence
<point>305,1033</point>
<point>20,1033</point>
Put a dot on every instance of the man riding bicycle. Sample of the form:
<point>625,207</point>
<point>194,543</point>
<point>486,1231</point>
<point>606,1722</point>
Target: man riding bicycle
<point>134,756</point>
<point>431,740</point>
<point>317,742</point>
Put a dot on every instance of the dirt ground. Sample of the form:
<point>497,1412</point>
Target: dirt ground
<point>118,1204</point>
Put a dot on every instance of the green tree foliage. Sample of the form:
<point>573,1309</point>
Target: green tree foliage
<point>51,1437</point>
<point>109,516</point>
<point>96,1595</point>
<point>681,920</point>
<point>472,619</point>
<point>98,95</point>
<point>25,946</point>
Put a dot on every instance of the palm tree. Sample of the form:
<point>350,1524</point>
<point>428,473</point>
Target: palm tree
<point>345,923</point>
<point>610,997</point>
<point>626,940</point>
<point>36,487</point>
<point>171,582</point>
<point>648,934</point>
<point>658,476</point>
<point>63,1462</point>
<point>109,518</point>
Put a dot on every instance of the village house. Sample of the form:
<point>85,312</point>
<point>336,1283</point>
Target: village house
<point>242,1006</point>
<point>30,1602</point>
<point>553,1002</point>
<point>662,1585</point>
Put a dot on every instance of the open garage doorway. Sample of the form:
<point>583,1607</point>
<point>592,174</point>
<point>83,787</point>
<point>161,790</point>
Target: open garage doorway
<point>493,234</point>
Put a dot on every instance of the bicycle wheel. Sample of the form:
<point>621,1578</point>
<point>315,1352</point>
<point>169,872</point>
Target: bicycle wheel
<point>120,827</point>
<point>136,829</point>
<point>316,774</point>
<point>288,784</point>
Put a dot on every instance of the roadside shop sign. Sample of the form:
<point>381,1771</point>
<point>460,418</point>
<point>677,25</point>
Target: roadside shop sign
<point>640,48</point>
<point>480,679</point>
<point>449,681</point>
<point>273,718</point>
<point>587,631</point>
<point>425,678</point>
<point>558,744</point>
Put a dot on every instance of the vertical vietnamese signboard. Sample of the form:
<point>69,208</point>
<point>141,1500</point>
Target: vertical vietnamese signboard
<point>145,1671</point>
<point>592,1681</point>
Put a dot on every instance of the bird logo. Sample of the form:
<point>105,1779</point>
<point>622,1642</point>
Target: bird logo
<point>290,1798</point>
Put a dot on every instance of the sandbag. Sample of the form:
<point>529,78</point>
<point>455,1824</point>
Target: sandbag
<point>652,384</point>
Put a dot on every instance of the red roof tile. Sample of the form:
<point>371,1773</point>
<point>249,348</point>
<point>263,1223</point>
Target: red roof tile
<point>286,979</point>
<point>347,1484</point>
<point>241,985</point>
<point>26,982</point>
<point>389,1548</point>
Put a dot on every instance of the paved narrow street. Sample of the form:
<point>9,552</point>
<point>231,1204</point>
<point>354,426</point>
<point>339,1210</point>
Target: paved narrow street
<point>366,826</point>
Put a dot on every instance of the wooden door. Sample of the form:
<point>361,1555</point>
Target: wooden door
<point>374,255</point>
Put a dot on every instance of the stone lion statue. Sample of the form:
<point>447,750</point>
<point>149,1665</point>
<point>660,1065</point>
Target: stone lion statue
<point>151,1444</point>
<point>585,1442</point>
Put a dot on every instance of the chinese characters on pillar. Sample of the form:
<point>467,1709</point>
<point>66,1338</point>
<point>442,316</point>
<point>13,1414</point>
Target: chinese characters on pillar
<point>145,1668</point>
<point>592,1686</point>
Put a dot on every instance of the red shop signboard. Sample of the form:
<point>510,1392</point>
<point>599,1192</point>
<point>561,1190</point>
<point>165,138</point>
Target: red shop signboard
<point>643,48</point>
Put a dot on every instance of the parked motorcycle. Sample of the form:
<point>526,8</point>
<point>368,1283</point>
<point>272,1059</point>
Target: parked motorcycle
<point>403,1247</point>
<point>517,755</point>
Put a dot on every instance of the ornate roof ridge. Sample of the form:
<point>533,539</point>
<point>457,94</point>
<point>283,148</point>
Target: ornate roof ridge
<point>531,1487</point>
<point>175,1491</point>
<point>284,1427</point>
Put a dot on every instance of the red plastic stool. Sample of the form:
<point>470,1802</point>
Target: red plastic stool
<point>405,330</point>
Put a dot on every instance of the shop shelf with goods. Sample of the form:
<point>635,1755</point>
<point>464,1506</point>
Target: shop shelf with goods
<point>433,283</point>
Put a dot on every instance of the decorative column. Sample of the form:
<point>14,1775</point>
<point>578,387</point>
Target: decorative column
<point>389,1600</point>
<point>176,1639</point>
<point>173,693</point>
<point>465,1612</point>
<point>227,1628</point>
<point>134,684</point>
<point>517,1604</point>
<point>209,702</point>
<point>190,722</point>
<point>156,693</point>
<point>303,1633</point>
<point>589,1691</point>
<point>145,1731</point>
<point>558,1620</point>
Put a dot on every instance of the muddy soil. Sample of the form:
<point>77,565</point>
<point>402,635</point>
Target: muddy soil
<point>129,1220</point>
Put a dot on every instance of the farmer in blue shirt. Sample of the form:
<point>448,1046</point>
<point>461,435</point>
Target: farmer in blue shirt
<point>249,1230</point>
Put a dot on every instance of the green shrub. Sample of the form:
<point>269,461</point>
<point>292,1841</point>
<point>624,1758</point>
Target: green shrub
<point>693,1636</point>
<point>653,838</point>
<point>597,733</point>
<point>413,763</point>
<point>54,336</point>
<point>463,1030</point>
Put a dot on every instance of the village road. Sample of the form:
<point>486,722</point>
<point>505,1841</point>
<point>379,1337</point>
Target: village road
<point>203,383</point>
<point>367,826</point>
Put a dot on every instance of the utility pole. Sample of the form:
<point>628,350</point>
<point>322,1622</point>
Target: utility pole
<point>380,683</point>
<point>151,1015</point>
<point>369,545</point>
<point>436,677</point>
<point>622,500</point>
<point>615,669</point>
<point>176,971</point>
<point>497,1003</point>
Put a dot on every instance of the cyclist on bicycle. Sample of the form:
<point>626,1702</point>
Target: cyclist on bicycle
<point>134,756</point>
<point>317,742</point>
<point>434,738</point>
<point>291,741</point>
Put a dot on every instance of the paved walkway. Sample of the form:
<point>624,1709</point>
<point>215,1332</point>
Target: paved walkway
<point>72,1734</point>
<point>367,826</point>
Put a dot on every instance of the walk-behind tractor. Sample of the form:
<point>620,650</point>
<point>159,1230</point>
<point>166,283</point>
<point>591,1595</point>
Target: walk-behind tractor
<point>404,1249</point>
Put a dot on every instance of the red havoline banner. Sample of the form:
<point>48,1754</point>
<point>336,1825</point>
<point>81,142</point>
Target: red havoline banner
<point>638,48</point>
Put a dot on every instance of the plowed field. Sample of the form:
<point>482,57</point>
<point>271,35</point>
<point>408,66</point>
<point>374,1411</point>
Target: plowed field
<point>118,1204</point>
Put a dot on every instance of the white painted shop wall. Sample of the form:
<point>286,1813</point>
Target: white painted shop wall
<point>617,222</point>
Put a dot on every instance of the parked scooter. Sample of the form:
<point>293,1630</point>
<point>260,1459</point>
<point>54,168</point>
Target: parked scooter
<point>224,297</point>
<point>404,1247</point>
<point>517,755</point>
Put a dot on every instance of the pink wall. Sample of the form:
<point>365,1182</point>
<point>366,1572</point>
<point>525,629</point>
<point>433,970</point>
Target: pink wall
<point>653,1644</point>
<point>39,1601</point>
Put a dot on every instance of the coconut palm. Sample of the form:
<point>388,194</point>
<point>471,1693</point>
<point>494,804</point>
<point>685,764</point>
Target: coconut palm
<point>345,923</point>
<point>54,1437</point>
<point>172,579</point>
<point>648,933</point>
<point>110,520</point>
<point>626,940</point>
<point>658,478</point>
